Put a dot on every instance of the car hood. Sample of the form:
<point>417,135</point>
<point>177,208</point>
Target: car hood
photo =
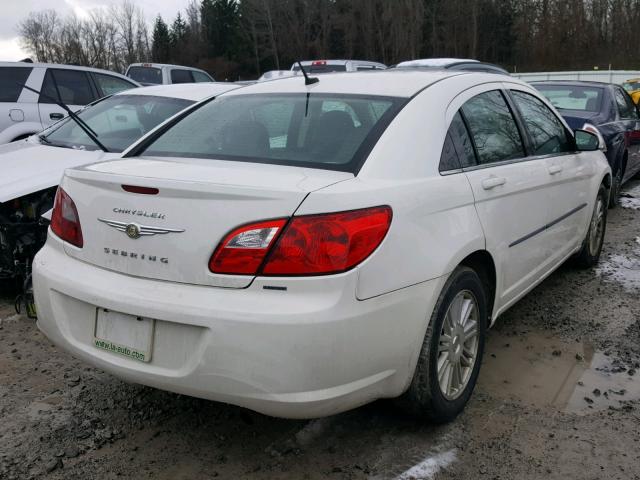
<point>29,167</point>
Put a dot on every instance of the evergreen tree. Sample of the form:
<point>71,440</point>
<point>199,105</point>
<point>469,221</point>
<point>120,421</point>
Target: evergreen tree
<point>161,41</point>
<point>179,32</point>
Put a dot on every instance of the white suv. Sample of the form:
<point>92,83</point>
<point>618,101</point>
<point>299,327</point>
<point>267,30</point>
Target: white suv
<point>163,74</point>
<point>23,112</point>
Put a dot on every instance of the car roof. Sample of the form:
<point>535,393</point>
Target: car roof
<point>63,67</point>
<point>434,62</point>
<point>391,83</point>
<point>339,62</point>
<point>186,91</point>
<point>160,65</point>
<point>584,83</point>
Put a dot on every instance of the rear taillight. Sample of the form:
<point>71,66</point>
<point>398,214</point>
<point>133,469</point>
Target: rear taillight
<point>243,250</point>
<point>308,245</point>
<point>65,222</point>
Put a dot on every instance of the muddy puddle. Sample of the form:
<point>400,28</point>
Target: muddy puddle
<point>543,371</point>
<point>622,268</point>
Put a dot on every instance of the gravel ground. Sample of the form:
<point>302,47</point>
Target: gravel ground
<point>558,398</point>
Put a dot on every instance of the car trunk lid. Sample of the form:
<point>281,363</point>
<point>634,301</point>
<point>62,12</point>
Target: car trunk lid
<point>170,235</point>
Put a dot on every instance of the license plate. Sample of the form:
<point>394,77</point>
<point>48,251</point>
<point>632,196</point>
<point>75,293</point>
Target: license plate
<point>126,335</point>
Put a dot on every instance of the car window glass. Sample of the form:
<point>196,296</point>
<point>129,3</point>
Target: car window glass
<point>118,120</point>
<point>493,128</point>
<point>201,77</point>
<point>146,75</point>
<point>625,105</point>
<point>316,130</point>
<point>573,97</point>
<point>11,81</point>
<point>462,142</point>
<point>449,157</point>
<point>547,132</point>
<point>71,87</point>
<point>181,76</point>
<point>110,84</point>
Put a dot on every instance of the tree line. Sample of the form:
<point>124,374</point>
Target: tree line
<point>240,39</point>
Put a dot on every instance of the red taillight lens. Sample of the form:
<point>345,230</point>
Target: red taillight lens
<point>243,250</point>
<point>308,245</point>
<point>65,222</point>
<point>328,243</point>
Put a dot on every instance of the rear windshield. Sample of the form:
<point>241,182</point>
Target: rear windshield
<point>573,97</point>
<point>11,81</point>
<point>321,68</point>
<point>148,75</point>
<point>333,132</point>
<point>119,121</point>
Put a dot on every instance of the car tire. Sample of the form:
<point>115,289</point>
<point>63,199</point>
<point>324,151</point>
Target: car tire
<point>594,239</point>
<point>616,185</point>
<point>429,395</point>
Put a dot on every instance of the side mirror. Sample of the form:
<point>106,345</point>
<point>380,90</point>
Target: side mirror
<point>587,141</point>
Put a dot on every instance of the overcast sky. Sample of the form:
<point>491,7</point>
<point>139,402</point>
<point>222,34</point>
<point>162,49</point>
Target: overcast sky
<point>13,11</point>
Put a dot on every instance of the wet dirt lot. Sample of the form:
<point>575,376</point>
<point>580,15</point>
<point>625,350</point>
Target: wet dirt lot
<point>558,398</point>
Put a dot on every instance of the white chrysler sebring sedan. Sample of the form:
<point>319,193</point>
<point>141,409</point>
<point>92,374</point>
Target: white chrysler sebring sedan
<point>301,248</point>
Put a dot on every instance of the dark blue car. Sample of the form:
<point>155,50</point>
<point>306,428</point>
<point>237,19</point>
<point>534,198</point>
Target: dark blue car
<point>607,108</point>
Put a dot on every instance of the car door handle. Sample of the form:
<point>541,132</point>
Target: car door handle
<point>493,182</point>
<point>56,116</point>
<point>553,169</point>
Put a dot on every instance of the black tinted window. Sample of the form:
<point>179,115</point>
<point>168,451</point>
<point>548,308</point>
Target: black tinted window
<point>181,76</point>
<point>547,132</point>
<point>462,142</point>
<point>493,128</point>
<point>11,81</point>
<point>625,104</point>
<point>449,157</point>
<point>71,87</point>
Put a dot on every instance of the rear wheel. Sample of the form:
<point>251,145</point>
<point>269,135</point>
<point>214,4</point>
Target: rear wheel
<point>594,239</point>
<point>451,354</point>
<point>616,185</point>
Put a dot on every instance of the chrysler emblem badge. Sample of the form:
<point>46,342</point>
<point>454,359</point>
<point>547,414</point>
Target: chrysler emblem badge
<point>133,231</point>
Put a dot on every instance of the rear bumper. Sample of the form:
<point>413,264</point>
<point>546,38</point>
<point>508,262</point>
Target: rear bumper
<point>310,351</point>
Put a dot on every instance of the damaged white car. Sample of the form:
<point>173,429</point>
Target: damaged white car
<point>31,169</point>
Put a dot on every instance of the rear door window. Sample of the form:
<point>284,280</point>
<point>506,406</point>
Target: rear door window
<point>548,134</point>
<point>625,106</point>
<point>458,139</point>
<point>493,129</point>
<point>109,84</point>
<point>181,76</point>
<point>71,87</point>
<point>11,81</point>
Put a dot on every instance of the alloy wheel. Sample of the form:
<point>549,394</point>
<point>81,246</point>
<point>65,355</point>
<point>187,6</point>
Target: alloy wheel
<point>458,345</point>
<point>597,227</point>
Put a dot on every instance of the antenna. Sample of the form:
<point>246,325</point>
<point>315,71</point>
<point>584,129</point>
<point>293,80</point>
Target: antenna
<point>307,79</point>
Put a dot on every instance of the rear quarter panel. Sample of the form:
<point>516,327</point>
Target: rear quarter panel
<point>435,225</point>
